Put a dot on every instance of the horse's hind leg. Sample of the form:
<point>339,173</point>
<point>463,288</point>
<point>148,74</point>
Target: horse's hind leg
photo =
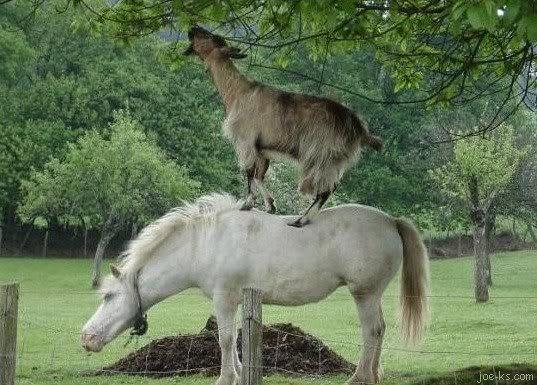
<point>225,306</point>
<point>372,323</point>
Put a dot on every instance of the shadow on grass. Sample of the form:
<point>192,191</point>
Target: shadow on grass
<point>483,375</point>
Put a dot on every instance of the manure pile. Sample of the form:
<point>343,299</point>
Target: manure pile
<point>286,350</point>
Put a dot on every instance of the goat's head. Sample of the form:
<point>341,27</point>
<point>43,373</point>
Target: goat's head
<point>204,43</point>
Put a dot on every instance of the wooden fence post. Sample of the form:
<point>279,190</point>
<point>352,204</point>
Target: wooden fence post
<point>252,337</point>
<point>9,297</point>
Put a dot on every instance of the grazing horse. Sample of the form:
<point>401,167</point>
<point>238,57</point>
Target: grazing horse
<point>213,245</point>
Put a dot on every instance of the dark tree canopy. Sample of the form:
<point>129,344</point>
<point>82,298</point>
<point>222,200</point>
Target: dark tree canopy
<point>69,80</point>
<point>450,51</point>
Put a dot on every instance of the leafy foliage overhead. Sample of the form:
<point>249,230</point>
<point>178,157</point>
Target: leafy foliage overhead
<point>453,51</point>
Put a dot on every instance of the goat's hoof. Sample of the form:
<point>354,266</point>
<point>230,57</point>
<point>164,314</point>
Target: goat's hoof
<point>247,206</point>
<point>298,223</point>
<point>271,207</point>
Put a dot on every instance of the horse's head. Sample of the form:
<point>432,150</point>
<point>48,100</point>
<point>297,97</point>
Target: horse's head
<point>118,311</point>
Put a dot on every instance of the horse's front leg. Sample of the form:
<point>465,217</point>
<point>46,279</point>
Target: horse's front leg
<point>226,308</point>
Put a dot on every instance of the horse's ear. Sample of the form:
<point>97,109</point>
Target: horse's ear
<point>115,271</point>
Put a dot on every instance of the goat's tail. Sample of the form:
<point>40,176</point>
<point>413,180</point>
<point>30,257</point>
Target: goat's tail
<point>374,142</point>
<point>414,301</point>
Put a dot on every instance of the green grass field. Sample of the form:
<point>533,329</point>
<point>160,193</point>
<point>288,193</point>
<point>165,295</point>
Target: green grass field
<point>56,301</point>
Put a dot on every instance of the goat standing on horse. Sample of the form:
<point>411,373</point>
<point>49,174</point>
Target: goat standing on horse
<point>262,122</point>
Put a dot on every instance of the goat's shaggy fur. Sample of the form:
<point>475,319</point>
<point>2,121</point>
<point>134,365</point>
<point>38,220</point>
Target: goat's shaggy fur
<point>262,122</point>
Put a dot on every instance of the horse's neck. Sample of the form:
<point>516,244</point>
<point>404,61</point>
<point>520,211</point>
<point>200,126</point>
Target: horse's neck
<point>165,274</point>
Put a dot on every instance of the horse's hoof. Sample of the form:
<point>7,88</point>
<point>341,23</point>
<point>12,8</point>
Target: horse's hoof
<point>362,379</point>
<point>227,380</point>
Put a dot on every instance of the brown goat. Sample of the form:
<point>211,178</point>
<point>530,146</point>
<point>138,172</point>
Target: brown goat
<point>262,122</point>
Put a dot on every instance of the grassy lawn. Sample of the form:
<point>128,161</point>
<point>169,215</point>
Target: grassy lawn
<point>56,301</point>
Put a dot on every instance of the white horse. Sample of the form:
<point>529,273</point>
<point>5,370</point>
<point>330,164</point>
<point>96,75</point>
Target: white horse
<point>214,246</point>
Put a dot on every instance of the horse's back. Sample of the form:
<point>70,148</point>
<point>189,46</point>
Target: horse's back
<point>349,244</point>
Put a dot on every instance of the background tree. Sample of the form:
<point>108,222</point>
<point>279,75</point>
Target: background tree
<point>70,80</point>
<point>108,183</point>
<point>519,200</point>
<point>481,168</point>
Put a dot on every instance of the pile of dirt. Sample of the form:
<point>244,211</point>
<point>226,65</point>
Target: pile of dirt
<point>286,350</point>
<point>522,374</point>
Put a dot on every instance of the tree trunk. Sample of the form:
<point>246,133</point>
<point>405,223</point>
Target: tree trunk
<point>480,271</point>
<point>478,216</point>
<point>1,237</point>
<point>530,232</point>
<point>515,235</point>
<point>134,230</point>
<point>85,242</point>
<point>23,243</point>
<point>488,267</point>
<point>490,227</point>
<point>104,240</point>
<point>45,244</point>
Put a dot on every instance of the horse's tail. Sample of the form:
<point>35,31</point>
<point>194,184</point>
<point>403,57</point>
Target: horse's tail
<point>414,301</point>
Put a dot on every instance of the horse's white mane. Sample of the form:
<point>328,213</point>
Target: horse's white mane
<point>204,209</point>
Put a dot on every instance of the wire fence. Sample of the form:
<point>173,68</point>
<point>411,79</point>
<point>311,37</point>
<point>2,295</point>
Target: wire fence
<point>52,345</point>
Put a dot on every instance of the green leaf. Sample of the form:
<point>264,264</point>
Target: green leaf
<point>512,10</point>
<point>458,10</point>
<point>475,16</point>
<point>531,28</point>
<point>483,16</point>
<point>40,222</point>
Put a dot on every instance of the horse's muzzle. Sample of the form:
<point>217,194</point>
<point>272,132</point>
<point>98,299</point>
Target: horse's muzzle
<point>92,342</point>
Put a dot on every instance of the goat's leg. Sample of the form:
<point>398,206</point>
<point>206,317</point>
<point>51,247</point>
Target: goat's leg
<point>255,176</point>
<point>262,165</point>
<point>313,210</point>
<point>249,202</point>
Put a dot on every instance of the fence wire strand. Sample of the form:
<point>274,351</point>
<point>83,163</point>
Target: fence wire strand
<point>26,324</point>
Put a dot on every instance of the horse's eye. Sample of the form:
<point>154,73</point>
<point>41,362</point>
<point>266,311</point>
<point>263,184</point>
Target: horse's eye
<point>108,296</point>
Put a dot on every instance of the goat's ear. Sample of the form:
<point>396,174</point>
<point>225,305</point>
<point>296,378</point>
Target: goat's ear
<point>115,271</point>
<point>232,52</point>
